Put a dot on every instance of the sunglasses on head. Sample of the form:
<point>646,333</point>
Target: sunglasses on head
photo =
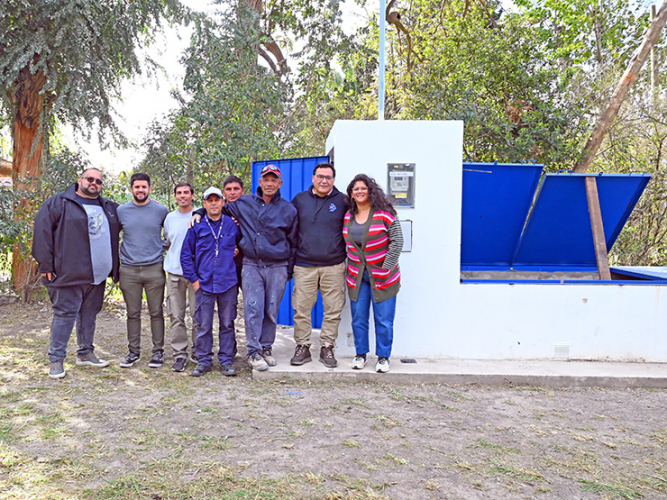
<point>90,180</point>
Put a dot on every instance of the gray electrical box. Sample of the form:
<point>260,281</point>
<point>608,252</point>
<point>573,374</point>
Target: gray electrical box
<point>401,184</point>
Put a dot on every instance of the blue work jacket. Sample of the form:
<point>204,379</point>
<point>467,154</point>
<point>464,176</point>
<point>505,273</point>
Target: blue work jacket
<point>198,259</point>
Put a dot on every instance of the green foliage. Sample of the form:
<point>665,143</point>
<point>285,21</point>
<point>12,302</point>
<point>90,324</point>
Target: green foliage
<point>223,125</point>
<point>267,82</point>
<point>85,48</point>
<point>239,107</point>
<point>584,34</point>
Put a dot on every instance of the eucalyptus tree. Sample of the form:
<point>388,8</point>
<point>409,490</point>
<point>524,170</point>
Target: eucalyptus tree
<point>64,60</point>
<point>252,67</point>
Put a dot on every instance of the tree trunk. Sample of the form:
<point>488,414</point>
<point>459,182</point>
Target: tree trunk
<point>630,75</point>
<point>27,162</point>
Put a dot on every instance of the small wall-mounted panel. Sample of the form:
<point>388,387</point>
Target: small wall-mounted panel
<point>406,227</point>
<point>401,184</point>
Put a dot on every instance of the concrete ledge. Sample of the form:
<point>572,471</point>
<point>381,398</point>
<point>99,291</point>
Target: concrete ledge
<point>543,373</point>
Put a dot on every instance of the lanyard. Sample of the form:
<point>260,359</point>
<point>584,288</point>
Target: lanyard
<point>216,237</point>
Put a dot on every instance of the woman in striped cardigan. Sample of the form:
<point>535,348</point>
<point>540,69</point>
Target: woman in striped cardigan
<point>374,242</point>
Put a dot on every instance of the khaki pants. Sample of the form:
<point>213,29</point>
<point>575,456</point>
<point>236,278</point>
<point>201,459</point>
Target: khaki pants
<point>180,296</point>
<point>330,281</point>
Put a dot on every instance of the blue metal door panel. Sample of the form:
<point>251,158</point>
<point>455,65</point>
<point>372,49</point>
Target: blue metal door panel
<point>495,204</point>
<point>558,232</point>
<point>297,174</point>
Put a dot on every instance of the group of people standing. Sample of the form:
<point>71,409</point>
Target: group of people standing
<point>327,240</point>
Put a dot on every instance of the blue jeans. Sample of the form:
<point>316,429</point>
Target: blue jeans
<point>78,304</point>
<point>383,315</point>
<point>263,289</point>
<point>204,318</point>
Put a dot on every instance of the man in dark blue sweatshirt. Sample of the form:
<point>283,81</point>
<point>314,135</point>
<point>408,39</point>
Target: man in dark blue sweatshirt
<point>319,265</point>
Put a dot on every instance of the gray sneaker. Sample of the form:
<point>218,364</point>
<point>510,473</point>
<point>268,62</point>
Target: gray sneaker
<point>228,370</point>
<point>57,369</point>
<point>257,362</point>
<point>89,359</point>
<point>267,354</point>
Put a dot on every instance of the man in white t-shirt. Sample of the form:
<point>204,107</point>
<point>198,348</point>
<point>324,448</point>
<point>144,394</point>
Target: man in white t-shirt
<point>180,292</point>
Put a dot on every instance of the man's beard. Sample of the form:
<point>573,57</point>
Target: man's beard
<point>85,191</point>
<point>138,200</point>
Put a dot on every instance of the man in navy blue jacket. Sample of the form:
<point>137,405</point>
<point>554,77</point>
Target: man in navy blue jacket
<point>320,264</point>
<point>76,245</point>
<point>207,259</point>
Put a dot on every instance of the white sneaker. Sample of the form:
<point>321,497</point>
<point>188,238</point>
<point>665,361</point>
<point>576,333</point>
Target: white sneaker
<point>268,357</point>
<point>256,362</point>
<point>358,363</point>
<point>382,365</point>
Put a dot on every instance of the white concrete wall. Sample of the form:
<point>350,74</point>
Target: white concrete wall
<point>437,316</point>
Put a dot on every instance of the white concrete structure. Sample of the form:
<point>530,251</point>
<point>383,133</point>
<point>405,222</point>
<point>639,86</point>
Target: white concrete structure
<point>438,316</point>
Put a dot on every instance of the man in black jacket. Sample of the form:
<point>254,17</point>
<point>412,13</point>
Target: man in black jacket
<point>320,264</point>
<point>75,243</point>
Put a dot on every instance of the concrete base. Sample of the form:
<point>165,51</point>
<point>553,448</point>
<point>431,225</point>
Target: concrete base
<point>545,373</point>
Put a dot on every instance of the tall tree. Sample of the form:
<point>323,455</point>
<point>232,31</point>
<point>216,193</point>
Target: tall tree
<point>65,60</point>
<point>245,87</point>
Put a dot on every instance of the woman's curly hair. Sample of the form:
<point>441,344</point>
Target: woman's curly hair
<point>376,196</point>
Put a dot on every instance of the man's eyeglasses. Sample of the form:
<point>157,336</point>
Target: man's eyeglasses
<point>90,180</point>
<point>321,177</point>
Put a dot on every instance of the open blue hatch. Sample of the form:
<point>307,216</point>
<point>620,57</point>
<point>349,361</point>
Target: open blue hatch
<point>520,225</point>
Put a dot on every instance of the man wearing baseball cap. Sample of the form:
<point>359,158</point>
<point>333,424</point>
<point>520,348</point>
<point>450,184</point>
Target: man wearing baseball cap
<point>207,259</point>
<point>268,225</point>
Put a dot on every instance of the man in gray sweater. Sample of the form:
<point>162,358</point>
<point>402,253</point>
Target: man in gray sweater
<point>141,268</point>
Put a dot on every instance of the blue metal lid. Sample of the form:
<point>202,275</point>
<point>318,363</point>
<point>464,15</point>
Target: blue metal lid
<point>558,231</point>
<point>495,204</point>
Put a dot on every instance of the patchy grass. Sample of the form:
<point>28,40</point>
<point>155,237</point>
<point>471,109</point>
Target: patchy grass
<point>616,491</point>
<point>154,434</point>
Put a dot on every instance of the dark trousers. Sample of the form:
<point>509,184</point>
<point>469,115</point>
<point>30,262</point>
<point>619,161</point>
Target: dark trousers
<point>204,318</point>
<point>78,304</point>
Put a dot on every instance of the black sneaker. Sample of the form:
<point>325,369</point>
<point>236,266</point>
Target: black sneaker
<point>327,357</point>
<point>201,370</point>
<point>301,355</point>
<point>130,360</point>
<point>179,364</point>
<point>193,357</point>
<point>228,370</point>
<point>157,360</point>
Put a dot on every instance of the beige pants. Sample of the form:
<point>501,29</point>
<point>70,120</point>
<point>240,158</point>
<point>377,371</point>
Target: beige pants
<point>180,295</point>
<point>330,281</point>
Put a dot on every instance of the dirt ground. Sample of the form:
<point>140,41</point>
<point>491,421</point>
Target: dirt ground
<point>156,434</point>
